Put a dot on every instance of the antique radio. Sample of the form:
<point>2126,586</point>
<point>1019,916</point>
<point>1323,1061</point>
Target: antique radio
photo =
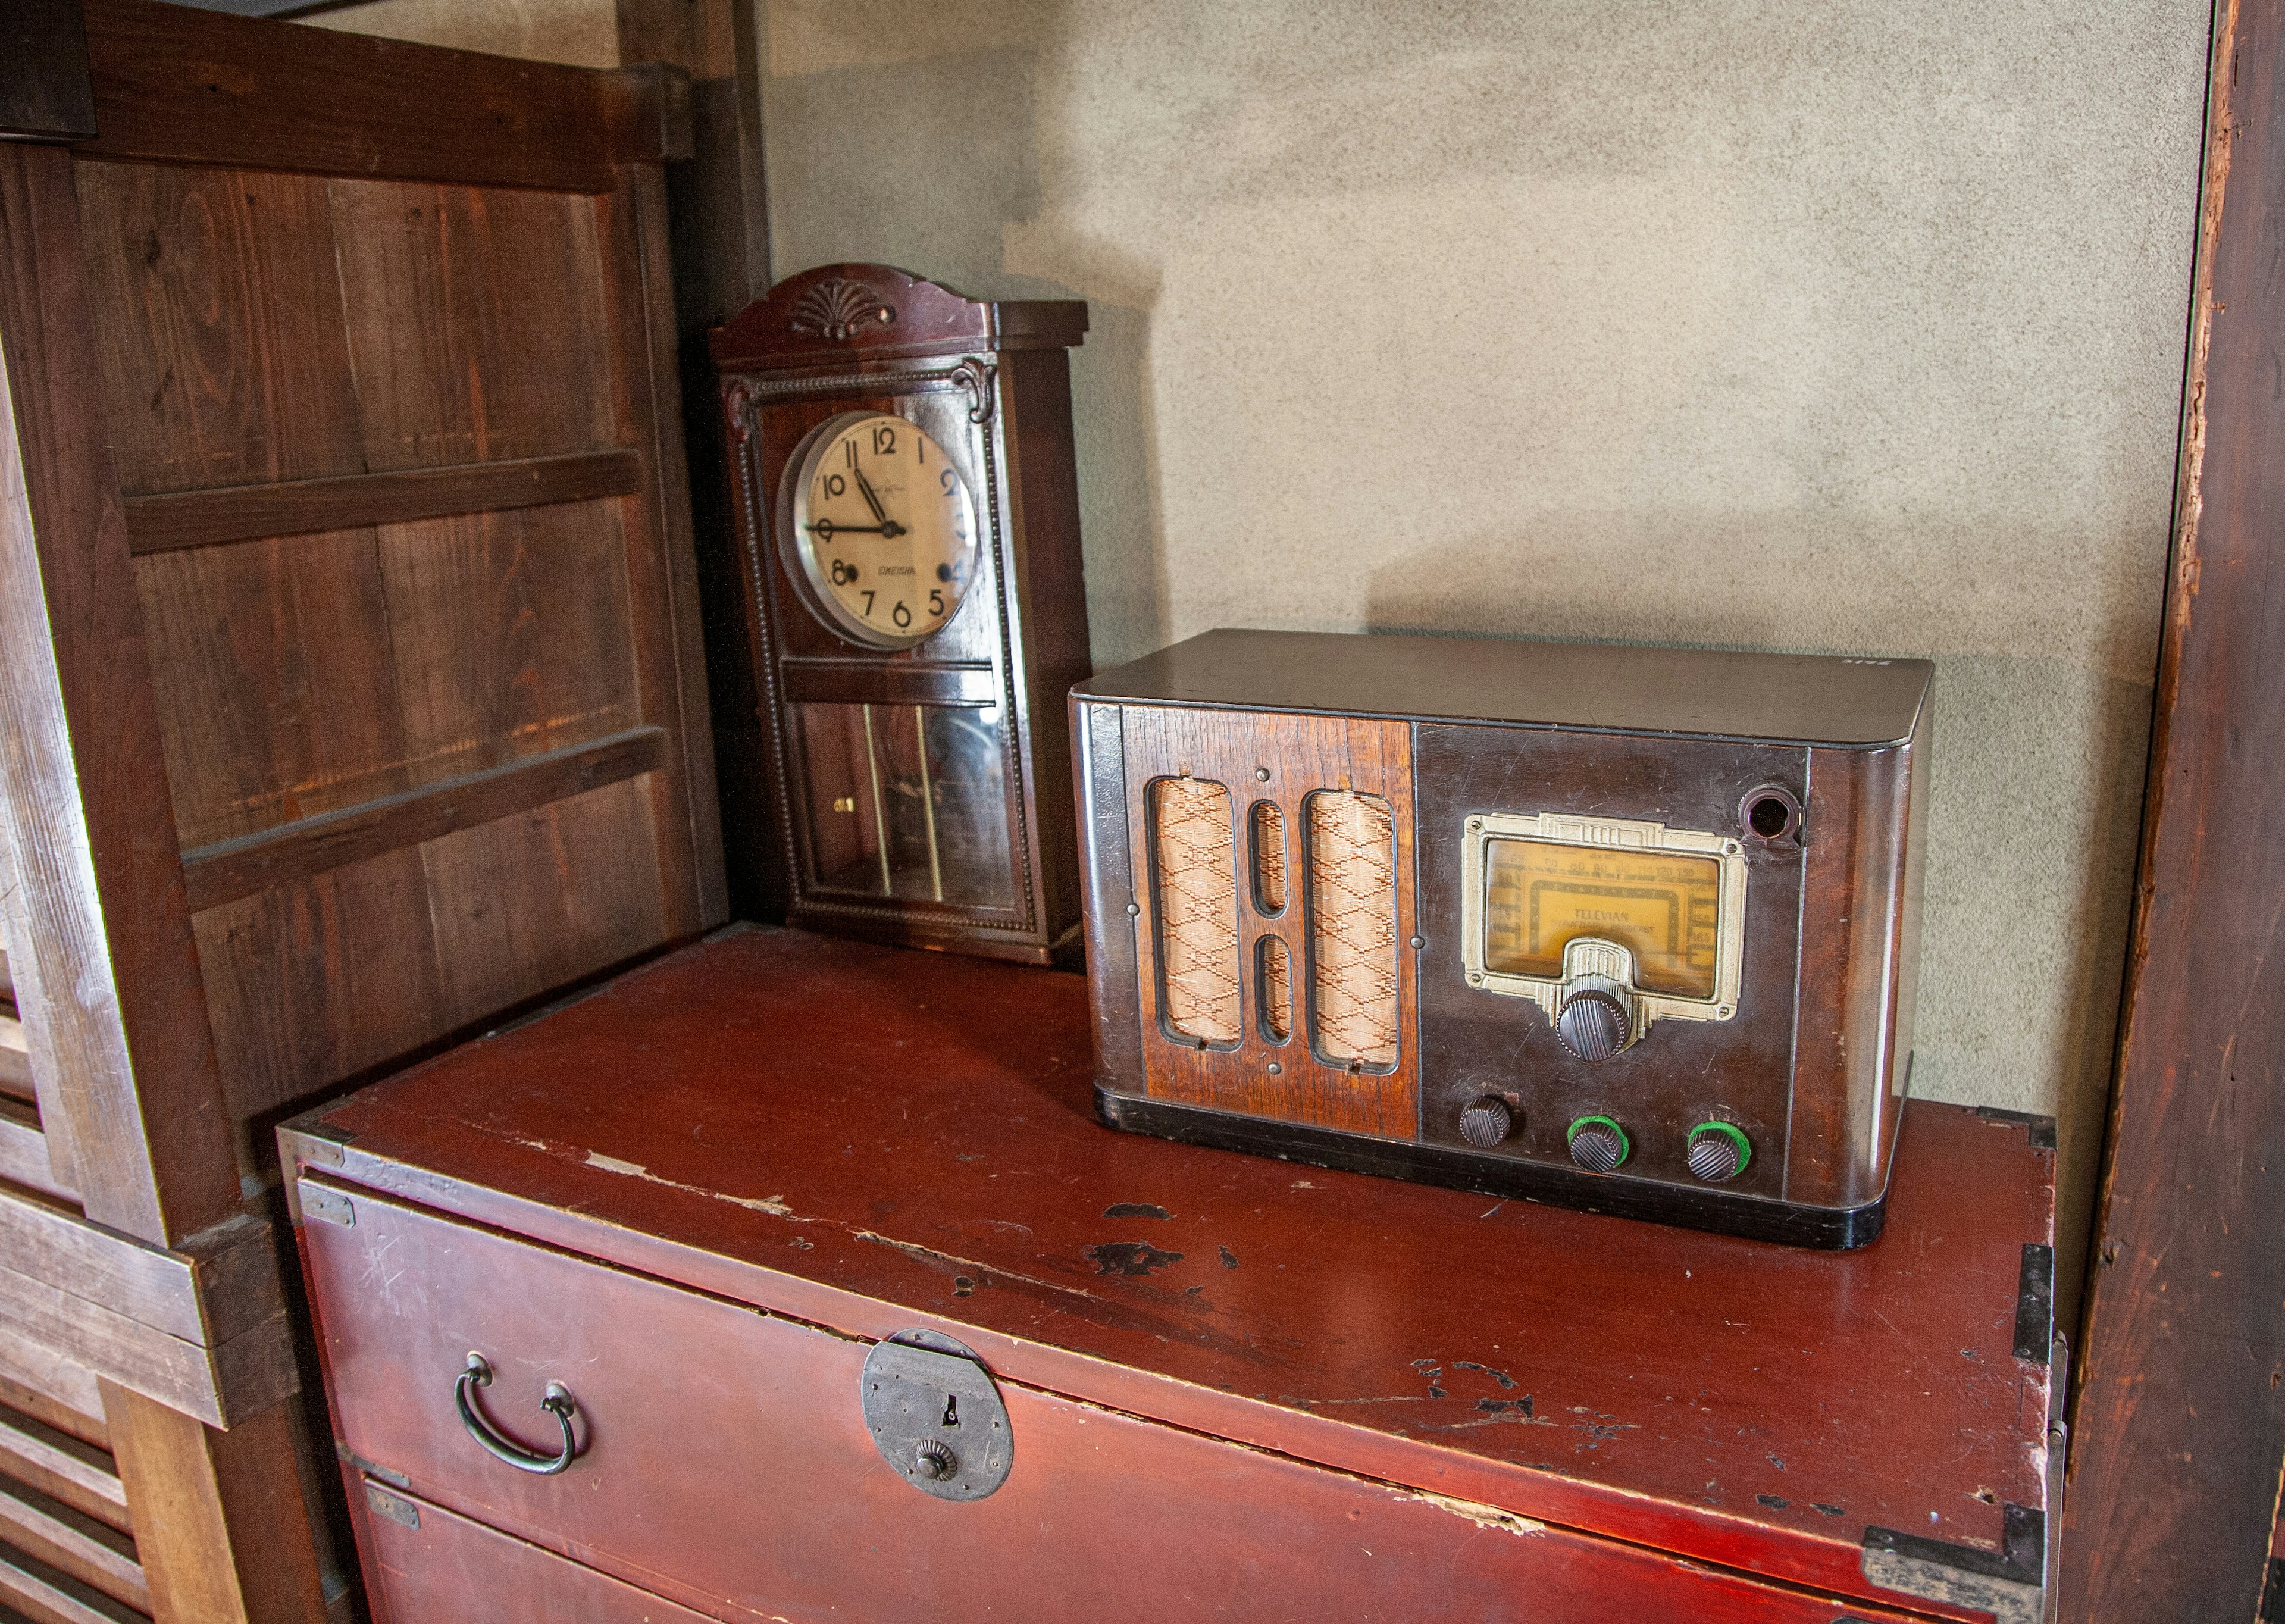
<point>907,499</point>
<point>1631,929</point>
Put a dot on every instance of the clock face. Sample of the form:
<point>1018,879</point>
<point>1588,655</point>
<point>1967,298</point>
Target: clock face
<point>884,529</point>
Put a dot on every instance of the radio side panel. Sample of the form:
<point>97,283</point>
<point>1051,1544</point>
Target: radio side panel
<point>1107,887</point>
<point>1859,929</point>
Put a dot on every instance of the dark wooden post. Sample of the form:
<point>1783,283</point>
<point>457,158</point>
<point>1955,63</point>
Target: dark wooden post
<point>2180,1419</point>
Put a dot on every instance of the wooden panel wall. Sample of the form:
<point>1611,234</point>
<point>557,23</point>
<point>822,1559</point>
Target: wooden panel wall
<point>437,745</point>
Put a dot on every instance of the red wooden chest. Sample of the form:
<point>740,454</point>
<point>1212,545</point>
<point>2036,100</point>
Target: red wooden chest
<point>696,1200</point>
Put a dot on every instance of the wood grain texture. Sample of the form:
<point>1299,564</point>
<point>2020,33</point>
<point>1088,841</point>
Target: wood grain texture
<point>220,1384</point>
<point>208,88</point>
<point>58,1395</point>
<point>45,94</point>
<point>475,322</point>
<point>223,358</point>
<point>162,1289</point>
<point>1301,755</point>
<point>240,1548</point>
<point>88,810</point>
<point>1331,1322</point>
<point>45,1601</point>
<point>510,635</point>
<point>660,561</point>
<point>31,1010</point>
<point>2181,1415</point>
<point>96,1555</point>
<point>756,1514</point>
<point>238,869</point>
<point>62,1467</point>
<point>302,507</point>
<point>544,897</point>
<point>276,679</point>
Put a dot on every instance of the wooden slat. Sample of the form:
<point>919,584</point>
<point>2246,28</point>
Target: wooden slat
<point>43,1602</point>
<point>61,1415</point>
<point>232,869</point>
<point>24,1151</point>
<point>2179,1425</point>
<point>662,569</point>
<point>15,1060</point>
<point>83,781</point>
<point>337,104</point>
<point>91,1553</point>
<point>238,1544</point>
<point>216,1386</point>
<point>64,1469</point>
<point>204,1296</point>
<point>301,507</point>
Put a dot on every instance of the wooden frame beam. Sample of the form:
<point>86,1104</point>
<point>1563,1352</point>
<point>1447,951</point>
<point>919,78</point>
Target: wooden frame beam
<point>231,869</point>
<point>352,501</point>
<point>2179,1428</point>
<point>327,103</point>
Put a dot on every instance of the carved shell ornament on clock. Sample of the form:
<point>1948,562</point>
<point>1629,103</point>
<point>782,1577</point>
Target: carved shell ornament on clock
<point>836,308</point>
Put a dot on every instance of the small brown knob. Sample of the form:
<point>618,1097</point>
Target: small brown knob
<point>936,1460</point>
<point>1487,1123</point>
<point>1593,1025</point>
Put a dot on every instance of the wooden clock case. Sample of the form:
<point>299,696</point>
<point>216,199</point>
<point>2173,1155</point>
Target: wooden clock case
<point>990,383</point>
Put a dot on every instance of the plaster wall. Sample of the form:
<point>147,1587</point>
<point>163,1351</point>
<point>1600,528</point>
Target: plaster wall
<point>1848,327</point>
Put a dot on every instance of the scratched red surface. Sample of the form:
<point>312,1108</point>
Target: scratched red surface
<point>869,1139</point>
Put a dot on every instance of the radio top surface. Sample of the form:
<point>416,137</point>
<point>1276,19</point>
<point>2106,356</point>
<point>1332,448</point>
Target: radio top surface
<point>1800,699</point>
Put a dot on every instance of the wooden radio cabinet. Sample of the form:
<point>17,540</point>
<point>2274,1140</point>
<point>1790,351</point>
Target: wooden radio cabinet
<point>699,1226</point>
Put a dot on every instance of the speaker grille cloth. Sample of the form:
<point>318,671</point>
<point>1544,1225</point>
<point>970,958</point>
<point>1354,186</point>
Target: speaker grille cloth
<point>1269,856</point>
<point>1275,996</point>
<point>1352,919</point>
<point>1198,906</point>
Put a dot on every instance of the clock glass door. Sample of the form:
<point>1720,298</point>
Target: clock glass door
<point>908,801</point>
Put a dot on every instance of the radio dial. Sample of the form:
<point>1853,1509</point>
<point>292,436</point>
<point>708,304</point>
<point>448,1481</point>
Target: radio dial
<point>1594,1024</point>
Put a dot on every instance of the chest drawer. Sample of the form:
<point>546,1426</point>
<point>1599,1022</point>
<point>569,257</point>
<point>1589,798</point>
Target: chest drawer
<point>724,1460</point>
<point>432,1568</point>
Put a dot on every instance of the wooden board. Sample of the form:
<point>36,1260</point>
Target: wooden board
<point>2180,1417</point>
<point>869,1139</point>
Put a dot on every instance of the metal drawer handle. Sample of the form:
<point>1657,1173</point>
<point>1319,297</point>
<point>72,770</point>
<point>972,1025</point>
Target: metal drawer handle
<point>557,1403</point>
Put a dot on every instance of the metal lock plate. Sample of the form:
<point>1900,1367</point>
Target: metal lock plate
<point>936,1416</point>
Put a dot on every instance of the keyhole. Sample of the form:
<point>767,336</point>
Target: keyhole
<point>951,1411</point>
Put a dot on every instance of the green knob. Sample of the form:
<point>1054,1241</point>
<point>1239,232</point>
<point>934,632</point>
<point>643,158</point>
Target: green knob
<point>1598,1144</point>
<point>1718,1152</point>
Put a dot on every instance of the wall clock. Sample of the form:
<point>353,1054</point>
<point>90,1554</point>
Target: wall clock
<point>906,504</point>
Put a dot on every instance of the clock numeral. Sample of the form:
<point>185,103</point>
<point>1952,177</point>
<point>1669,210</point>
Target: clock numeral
<point>902,616</point>
<point>835,485</point>
<point>943,478</point>
<point>935,603</point>
<point>868,606</point>
<point>844,572</point>
<point>885,441</point>
<point>850,448</point>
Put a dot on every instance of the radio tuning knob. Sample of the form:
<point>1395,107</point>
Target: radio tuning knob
<point>1593,1025</point>
<point>1487,1123</point>
<point>1598,1144</point>
<point>1718,1152</point>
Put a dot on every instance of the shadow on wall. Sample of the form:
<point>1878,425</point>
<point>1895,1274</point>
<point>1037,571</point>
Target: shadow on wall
<point>935,196</point>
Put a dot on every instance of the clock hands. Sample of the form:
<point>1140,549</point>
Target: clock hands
<point>825,530</point>
<point>889,527</point>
